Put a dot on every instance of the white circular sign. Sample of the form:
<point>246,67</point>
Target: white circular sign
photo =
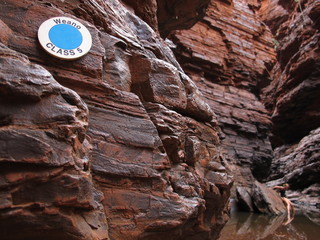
<point>64,38</point>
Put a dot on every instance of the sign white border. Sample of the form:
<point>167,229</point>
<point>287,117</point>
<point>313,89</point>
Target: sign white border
<point>43,36</point>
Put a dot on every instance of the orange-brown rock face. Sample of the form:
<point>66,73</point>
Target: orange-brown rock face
<point>228,55</point>
<point>131,152</point>
<point>133,141</point>
<point>260,85</point>
<point>293,96</point>
<point>46,188</point>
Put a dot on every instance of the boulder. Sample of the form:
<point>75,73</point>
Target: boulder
<point>244,199</point>
<point>267,200</point>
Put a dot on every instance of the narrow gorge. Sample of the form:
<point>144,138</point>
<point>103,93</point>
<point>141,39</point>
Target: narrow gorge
<point>180,109</point>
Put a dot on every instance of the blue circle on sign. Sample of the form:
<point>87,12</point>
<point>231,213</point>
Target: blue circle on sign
<point>65,36</point>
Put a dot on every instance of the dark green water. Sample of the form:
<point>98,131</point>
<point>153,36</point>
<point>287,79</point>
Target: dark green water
<point>250,226</point>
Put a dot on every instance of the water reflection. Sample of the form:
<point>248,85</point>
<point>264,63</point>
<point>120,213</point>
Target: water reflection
<point>250,226</point>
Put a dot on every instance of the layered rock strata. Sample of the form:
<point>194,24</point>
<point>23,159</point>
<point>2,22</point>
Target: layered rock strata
<point>142,148</point>
<point>229,55</point>
<point>46,187</point>
<point>131,152</point>
<point>263,87</point>
<point>292,97</point>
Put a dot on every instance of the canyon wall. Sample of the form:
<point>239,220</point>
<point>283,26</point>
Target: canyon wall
<point>257,64</point>
<point>293,97</point>
<point>229,55</point>
<point>116,145</point>
<point>143,137</point>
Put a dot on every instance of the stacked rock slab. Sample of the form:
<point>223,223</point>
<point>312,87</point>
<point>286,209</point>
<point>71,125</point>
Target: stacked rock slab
<point>263,87</point>
<point>131,152</point>
<point>125,143</point>
<point>46,188</point>
<point>293,96</point>
<point>229,55</point>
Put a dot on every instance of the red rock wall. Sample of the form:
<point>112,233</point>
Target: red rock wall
<point>229,55</point>
<point>263,86</point>
<point>46,187</point>
<point>131,152</point>
<point>134,142</point>
<point>293,96</point>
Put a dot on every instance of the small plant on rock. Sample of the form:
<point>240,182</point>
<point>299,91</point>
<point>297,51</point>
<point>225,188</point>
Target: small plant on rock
<point>275,44</point>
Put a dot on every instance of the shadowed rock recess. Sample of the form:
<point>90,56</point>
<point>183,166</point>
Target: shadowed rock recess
<point>142,138</point>
<point>257,65</point>
<point>292,98</point>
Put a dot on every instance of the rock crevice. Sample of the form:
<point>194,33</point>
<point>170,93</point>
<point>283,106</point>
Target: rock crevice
<point>143,137</point>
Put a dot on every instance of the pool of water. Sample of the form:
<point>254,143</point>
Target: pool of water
<point>251,226</point>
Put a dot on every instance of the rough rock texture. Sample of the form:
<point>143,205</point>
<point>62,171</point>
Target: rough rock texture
<point>260,199</point>
<point>244,199</point>
<point>228,55</point>
<point>133,154</point>
<point>45,186</point>
<point>143,147</point>
<point>293,96</point>
<point>299,166</point>
<point>167,15</point>
<point>267,200</point>
<point>263,87</point>
<point>179,14</point>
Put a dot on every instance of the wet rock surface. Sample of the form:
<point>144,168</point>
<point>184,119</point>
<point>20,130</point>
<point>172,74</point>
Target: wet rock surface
<point>261,199</point>
<point>119,144</point>
<point>292,97</point>
<point>136,141</point>
<point>262,86</point>
<point>244,199</point>
<point>45,185</point>
<point>298,165</point>
<point>228,55</point>
<point>267,200</point>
